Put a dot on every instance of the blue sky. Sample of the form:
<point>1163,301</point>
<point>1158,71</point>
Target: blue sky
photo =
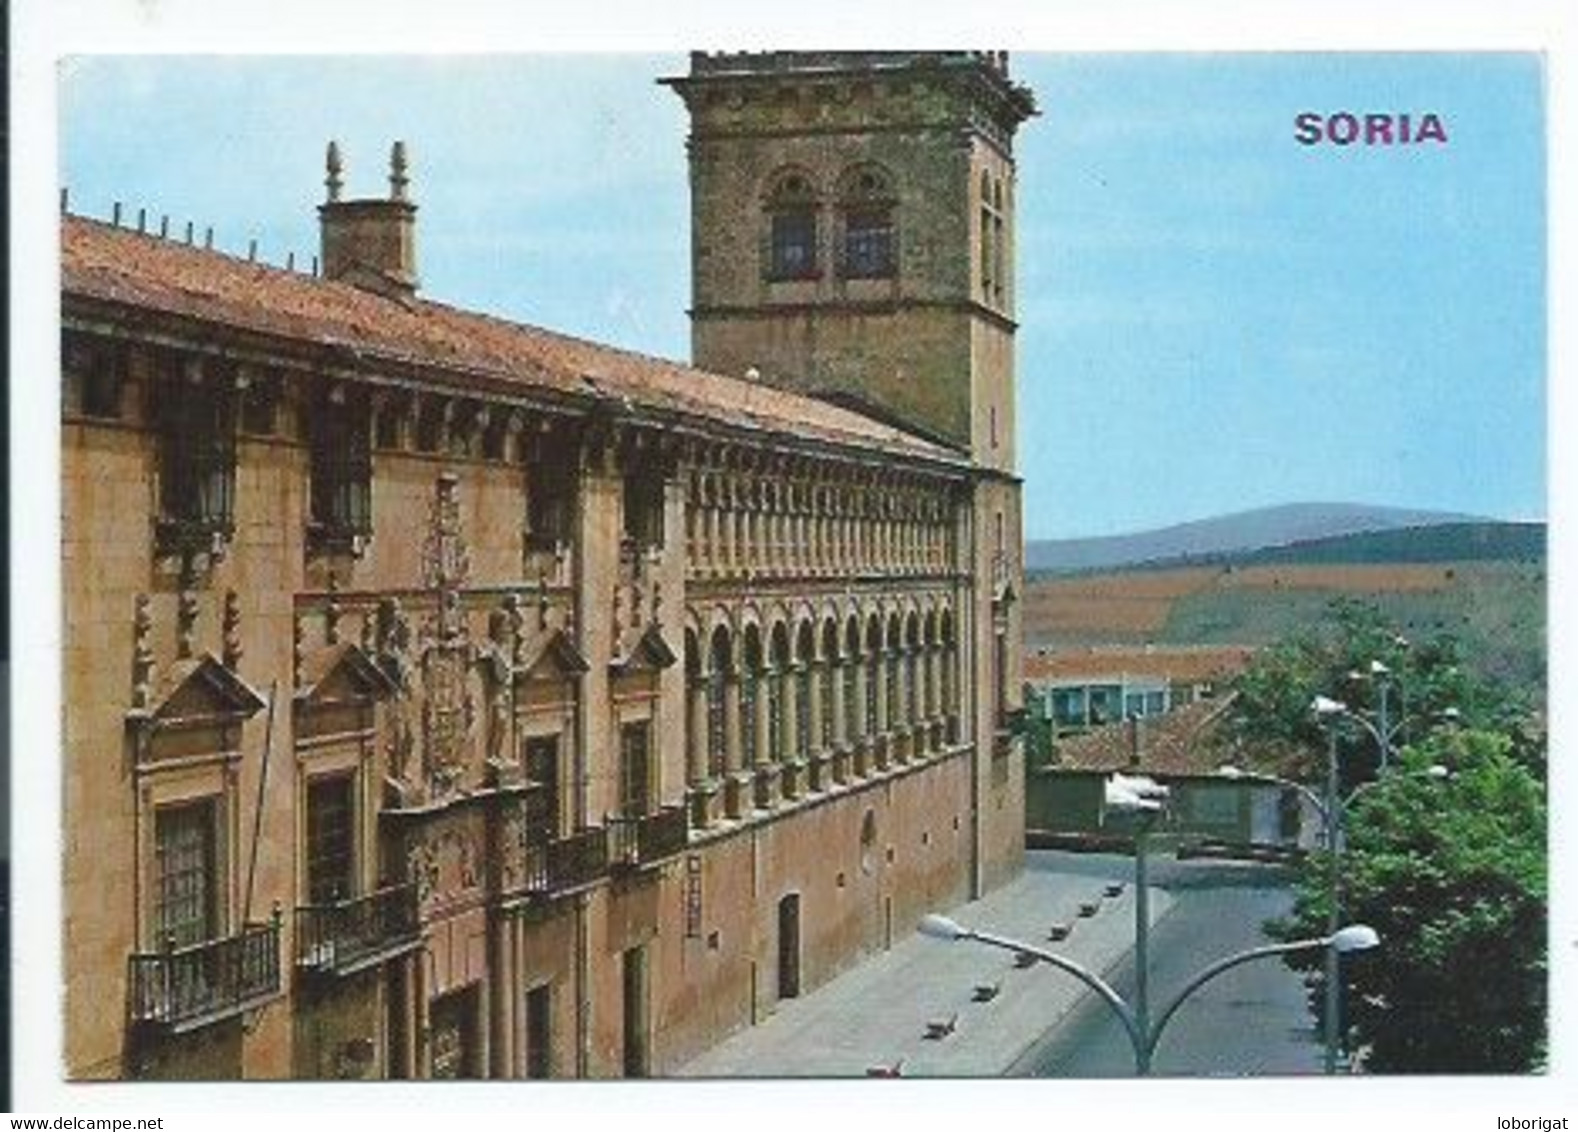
<point>1213,317</point>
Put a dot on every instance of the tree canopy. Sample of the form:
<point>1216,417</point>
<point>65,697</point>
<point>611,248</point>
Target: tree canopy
<point>1430,683</point>
<point>1444,854</point>
<point>1452,873</point>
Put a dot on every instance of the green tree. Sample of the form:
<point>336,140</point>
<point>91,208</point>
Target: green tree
<point>1431,684</point>
<point>1452,874</point>
<point>1040,740</point>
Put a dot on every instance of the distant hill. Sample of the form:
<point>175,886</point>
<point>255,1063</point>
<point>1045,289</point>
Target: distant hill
<point>1439,542</point>
<point>1243,531</point>
<point>1483,583</point>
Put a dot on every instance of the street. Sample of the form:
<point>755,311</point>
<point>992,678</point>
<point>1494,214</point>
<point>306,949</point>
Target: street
<point>1249,1021</point>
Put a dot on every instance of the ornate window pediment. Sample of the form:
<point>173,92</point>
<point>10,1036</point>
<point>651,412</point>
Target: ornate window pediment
<point>200,692</point>
<point>650,653</point>
<point>556,658</point>
<point>342,674</point>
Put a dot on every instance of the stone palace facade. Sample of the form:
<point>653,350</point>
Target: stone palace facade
<point>446,697</point>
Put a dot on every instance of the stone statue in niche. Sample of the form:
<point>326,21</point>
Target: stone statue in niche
<point>394,656</point>
<point>422,865</point>
<point>497,658</point>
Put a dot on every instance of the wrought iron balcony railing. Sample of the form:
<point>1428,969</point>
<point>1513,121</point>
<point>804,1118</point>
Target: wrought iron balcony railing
<point>182,988</point>
<point>348,935</point>
<point>647,839</point>
<point>565,863</point>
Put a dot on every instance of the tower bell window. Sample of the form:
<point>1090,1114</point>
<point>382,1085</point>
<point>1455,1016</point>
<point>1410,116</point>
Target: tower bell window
<point>791,208</point>
<point>870,239</point>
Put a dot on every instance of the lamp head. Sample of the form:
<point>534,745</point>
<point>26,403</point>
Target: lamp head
<point>1133,793</point>
<point>1379,669</point>
<point>938,926</point>
<point>1355,937</point>
<point>1325,707</point>
<point>1228,770</point>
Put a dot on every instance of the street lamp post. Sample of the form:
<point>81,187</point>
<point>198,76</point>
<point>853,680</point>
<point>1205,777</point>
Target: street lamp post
<point>1326,710</point>
<point>1143,1035</point>
<point>1382,730</point>
<point>1143,797</point>
<point>1332,807</point>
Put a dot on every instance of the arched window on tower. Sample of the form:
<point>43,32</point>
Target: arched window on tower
<point>868,246</point>
<point>791,228</point>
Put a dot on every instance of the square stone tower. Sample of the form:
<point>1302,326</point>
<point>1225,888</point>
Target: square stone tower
<point>852,236</point>
<point>852,219</point>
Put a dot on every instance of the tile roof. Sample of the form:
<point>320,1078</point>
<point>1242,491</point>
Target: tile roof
<point>121,267</point>
<point>1175,743</point>
<point>1181,664</point>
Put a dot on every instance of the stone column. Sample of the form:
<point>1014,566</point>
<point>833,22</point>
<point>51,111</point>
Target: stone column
<point>697,753</point>
<point>504,1006</point>
<point>423,1029</point>
<point>411,1043</point>
<point>696,748</point>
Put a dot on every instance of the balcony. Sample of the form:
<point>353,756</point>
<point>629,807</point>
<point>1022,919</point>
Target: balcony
<point>565,864</point>
<point>636,842</point>
<point>183,988</point>
<point>347,936</point>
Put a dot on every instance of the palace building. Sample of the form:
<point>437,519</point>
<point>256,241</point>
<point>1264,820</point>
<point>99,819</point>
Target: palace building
<point>447,697</point>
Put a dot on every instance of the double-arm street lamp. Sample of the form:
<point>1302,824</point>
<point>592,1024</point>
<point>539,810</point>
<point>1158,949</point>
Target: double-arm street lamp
<point>1143,1034</point>
<point>1383,730</point>
<point>1142,797</point>
<point>1331,807</point>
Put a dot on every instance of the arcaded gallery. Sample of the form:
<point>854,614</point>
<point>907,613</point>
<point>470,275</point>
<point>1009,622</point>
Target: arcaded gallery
<point>448,698</point>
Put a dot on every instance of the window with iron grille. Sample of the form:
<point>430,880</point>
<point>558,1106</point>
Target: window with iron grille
<point>542,803</point>
<point>793,244</point>
<point>100,371</point>
<point>259,407</point>
<point>634,752</point>
<point>342,469</point>
<point>186,884</point>
<point>868,244</point>
<point>331,839</point>
<point>643,507</point>
<point>550,502</point>
<point>198,474</point>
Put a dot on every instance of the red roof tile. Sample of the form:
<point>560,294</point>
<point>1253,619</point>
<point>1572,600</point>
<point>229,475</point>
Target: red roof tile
<point>118,266</point>
<point>1174,743</point>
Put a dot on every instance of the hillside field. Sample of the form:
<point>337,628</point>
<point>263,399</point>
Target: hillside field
<point>1496,608</point>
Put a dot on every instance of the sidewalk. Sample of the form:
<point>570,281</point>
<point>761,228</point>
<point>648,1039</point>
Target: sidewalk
<point>877,1014</point>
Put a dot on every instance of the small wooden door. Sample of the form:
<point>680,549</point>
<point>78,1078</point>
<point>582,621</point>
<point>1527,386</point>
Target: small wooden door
<point>789,946</point>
